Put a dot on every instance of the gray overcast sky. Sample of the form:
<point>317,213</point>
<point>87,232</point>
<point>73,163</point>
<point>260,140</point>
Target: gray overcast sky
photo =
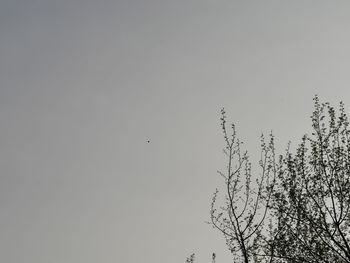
<point>85,84</point>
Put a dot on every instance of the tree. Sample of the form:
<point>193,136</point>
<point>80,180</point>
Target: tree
<point>298,209</point>
<point>312,199</point>
<point>242,218</point>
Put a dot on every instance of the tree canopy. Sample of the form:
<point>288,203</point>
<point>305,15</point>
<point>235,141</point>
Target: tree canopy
<point>297,207</point>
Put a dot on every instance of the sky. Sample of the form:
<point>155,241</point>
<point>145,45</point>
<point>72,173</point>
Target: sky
<point>84,84</point>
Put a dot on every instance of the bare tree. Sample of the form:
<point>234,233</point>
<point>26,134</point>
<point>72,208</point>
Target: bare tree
<point>243,218</point>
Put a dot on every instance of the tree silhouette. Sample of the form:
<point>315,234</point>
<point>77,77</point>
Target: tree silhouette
<point>312,199</point>
<point>242,218</point>
<point>297,210</point>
